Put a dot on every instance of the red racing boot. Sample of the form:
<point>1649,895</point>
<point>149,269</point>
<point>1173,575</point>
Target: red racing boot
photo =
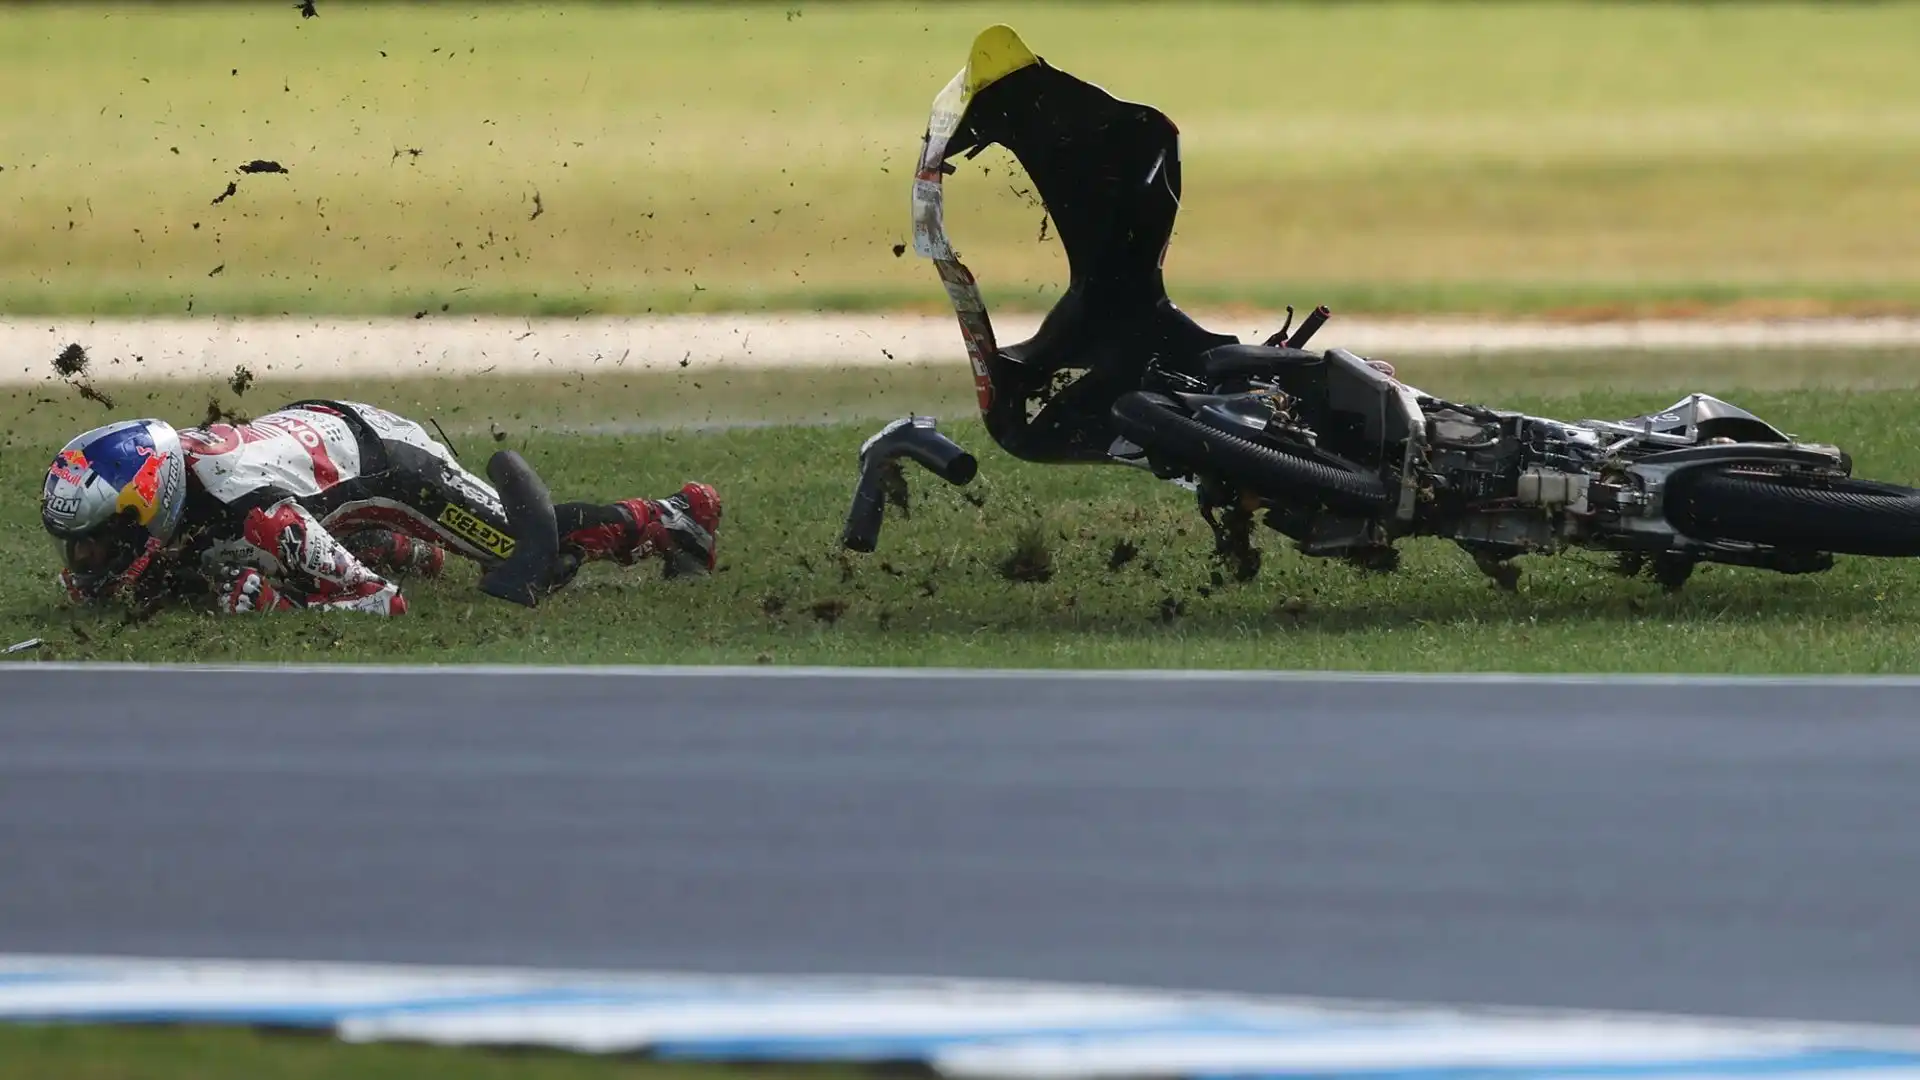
<point>682,529</point>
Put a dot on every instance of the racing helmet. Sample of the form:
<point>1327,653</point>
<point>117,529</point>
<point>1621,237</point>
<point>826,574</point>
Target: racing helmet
<point>114,496</point>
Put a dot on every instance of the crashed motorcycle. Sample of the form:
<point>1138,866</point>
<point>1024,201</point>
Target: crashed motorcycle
<point>1327,448</point>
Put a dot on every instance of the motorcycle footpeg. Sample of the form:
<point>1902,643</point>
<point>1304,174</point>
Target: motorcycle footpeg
<point>534,568</point>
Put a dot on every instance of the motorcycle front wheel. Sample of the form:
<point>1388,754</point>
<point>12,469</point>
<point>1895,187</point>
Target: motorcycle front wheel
<point>1842,516</point>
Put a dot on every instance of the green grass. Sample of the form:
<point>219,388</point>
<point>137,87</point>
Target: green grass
<point>935,593</point>
<point>1396,156</point>
<point>96,1053</point>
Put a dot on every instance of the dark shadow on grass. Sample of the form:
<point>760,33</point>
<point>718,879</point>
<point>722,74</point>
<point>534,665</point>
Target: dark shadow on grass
<point>1624,603</point>
<point>1472,605</point>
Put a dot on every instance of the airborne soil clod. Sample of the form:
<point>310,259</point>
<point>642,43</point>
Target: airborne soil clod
<point>241,381</point>
<point>71,361</point>
<point>70,365</point>
<point>260,165</point>
<point>220,414</point>
<point>1123,553</point>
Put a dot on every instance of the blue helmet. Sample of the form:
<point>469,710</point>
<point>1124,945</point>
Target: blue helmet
<point>112,495</point>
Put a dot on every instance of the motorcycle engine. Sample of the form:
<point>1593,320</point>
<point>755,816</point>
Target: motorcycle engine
<point>1475,451</point>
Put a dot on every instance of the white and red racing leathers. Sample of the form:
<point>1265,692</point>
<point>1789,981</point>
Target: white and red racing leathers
<point>270,500</point>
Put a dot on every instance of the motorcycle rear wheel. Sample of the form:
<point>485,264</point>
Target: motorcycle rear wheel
<point>1840,516</point>
<point>1154,422</point>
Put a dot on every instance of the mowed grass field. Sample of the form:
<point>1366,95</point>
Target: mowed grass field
<point>1584,158</point>
<point>1129,581</point>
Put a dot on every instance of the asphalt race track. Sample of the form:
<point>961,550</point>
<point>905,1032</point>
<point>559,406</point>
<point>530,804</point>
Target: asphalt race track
<point>1720,847</point>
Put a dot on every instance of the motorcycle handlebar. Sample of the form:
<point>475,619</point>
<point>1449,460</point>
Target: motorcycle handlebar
<point>1309,326</point>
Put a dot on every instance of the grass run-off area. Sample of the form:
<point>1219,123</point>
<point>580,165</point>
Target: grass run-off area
<point>1131,580</point>
<point>623,158</point>
<point>95,1053</point>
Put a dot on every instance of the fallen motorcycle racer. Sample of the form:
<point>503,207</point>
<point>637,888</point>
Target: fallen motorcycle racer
<point>316,505</point>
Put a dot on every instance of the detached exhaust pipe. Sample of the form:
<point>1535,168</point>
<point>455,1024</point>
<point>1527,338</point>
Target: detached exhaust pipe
<point>911,437</point>
<point>530,571</point>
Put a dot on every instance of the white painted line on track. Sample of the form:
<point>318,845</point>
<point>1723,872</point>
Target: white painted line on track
<point>380,998</point>
<point>722,671</point>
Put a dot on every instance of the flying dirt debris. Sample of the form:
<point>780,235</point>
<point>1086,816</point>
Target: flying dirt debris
<point>71,365</point>
<point>220,414</point>
<point>257,165</point>
<point>72,361</point>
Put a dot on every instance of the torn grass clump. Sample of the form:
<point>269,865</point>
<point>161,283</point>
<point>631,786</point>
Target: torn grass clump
<point>1031,559</point>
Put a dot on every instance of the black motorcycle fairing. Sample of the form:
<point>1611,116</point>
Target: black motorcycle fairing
<point>1260,361</point>
<point>1108,173</point>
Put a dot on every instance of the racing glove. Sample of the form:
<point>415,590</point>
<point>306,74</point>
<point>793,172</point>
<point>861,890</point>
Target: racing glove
<point>246,590</point>
<point>78,592</point>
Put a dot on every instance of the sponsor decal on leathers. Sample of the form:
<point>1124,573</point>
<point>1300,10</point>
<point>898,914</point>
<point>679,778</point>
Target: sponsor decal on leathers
<point>476,530</point>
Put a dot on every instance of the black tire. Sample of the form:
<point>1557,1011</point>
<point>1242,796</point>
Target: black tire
<point>1843,516</point>
<point>1157,424</point>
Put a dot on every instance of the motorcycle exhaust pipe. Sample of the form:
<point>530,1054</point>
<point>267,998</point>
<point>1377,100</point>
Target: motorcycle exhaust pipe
<point>911,437</point>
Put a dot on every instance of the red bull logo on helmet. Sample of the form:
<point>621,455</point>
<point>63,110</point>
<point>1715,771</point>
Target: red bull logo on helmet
<point>71,466</point>
<point>142,493</point>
